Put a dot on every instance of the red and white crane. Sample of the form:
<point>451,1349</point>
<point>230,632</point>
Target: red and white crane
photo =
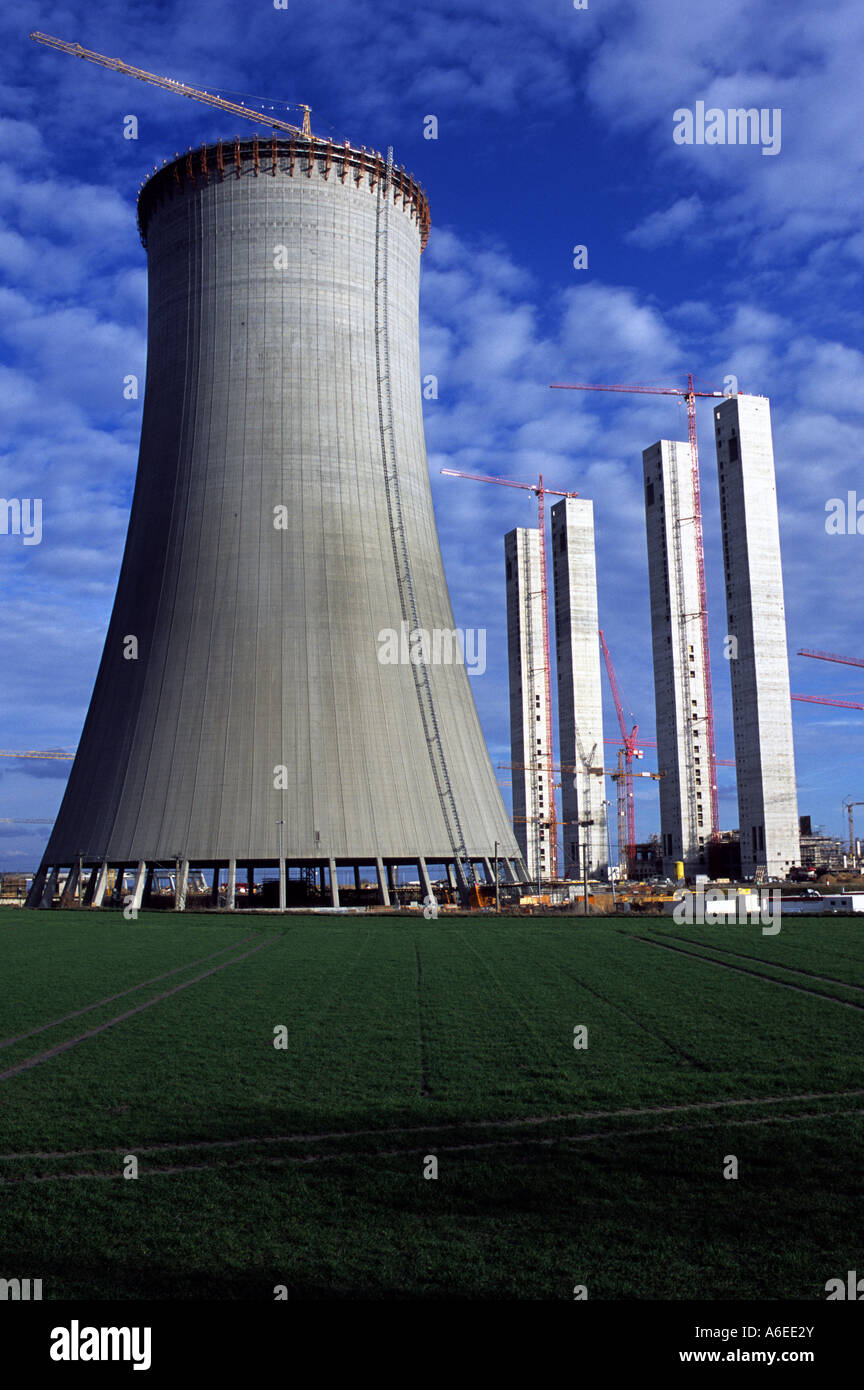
<point>832,656</point>
<point>624,776</point>
<point>825,699</point>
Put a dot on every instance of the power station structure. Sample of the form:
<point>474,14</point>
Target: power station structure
<point>260,701</point>
<point>580,700</point>
<point>759,663</point>
<point>686,822</point>
<point>530,731</point>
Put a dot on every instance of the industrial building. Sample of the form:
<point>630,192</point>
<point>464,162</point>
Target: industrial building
<point>580,701</point>
<point>282,521</point>
<point>533,788</point>
<point>759,664</point>
<point>686,822</point>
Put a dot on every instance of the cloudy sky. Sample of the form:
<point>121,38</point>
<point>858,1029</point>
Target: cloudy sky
<point>555,129</point>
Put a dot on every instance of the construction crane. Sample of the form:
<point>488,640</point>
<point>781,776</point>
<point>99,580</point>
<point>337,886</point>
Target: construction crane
<point>688,394</point>
<point>624,776</point>
<point>825,700</point>
<point>541,491</point>
<point>848,804</point>
<point>194,94</point>
<point>831,656</point>
<point>623,779</point>
<point>53,754</point>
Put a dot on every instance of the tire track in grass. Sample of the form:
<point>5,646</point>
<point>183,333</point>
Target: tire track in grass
<point>542,1045</point>
<point>753,974</point>
<point>652,1032</point>
<point>761,960</point>
<point>258,1161</point>
<point>130,1013</point>
<point>110,998</point>
<point>425,1089</point>
<point>443,1127</point>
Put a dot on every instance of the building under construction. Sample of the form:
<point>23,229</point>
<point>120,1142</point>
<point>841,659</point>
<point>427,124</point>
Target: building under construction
<point>580,701</point>
<point>679,676</point>
<point>248,710</point>
<point>533,785</point>
<point>759,663</point>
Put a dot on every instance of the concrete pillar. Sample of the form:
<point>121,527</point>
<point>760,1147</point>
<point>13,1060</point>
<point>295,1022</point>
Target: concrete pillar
<point>451,876</point>
<point>214,890</point>
<point>182,883</point>
<point>37,887</point>
<point>50,883</point>
<point>117,891</point>
<point>383,891</point>
<point>138,889</point>
<point>488,871</point>
<point>97,884</point>
<point>357,878</point>
<point>68,895</point>
<point>425,881</point>
<point>334,883</point>
<point>250,884</point>
<point>231,894</point>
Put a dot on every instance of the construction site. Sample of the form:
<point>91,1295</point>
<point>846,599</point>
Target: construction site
<point>368,787</point>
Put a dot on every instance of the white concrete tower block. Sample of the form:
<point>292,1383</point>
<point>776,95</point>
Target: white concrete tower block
<point>580,701</point>
<point>529,732</point>
<point>759,664</point>
<point>679,685</point>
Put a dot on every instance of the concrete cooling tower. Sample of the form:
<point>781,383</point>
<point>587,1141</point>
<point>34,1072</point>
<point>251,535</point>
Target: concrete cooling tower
<point>263,693</point>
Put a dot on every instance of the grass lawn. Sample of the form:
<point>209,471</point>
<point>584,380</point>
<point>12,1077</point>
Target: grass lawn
<point>303,1165</point>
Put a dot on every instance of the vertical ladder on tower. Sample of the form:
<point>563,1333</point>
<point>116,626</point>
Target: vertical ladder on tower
<point>401,555</point>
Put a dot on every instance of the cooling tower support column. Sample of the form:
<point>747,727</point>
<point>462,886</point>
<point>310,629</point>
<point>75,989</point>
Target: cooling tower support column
<point>231,890</point>
<point>383,891</point>
<point>334,883</point>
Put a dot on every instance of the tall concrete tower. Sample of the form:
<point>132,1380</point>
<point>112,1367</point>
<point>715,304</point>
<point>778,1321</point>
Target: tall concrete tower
<point>679,686</point>
<point>260,701</point>
<point>529,732</point>
<point>759,662</point>
<point>580,700</point>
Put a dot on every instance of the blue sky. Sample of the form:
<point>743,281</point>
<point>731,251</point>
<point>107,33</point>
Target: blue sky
<point>555,128</point>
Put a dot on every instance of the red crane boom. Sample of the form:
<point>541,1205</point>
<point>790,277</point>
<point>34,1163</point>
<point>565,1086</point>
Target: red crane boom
<point>824,700</point>
<point>626,803</point>
<point>832,656</point>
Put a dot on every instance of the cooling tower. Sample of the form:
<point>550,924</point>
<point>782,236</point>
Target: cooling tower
<point>282,678</point>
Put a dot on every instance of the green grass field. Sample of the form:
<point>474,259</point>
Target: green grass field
<point>303,1166</point>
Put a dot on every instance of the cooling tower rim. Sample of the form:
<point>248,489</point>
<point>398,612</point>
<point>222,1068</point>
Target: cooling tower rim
<point>266,157</point>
